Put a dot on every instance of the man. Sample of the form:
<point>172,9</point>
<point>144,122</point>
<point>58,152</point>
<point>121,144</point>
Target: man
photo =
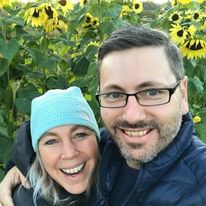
<point>150,155</point>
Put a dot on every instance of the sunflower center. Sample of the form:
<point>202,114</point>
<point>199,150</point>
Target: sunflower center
<point>196,16</point>
<point>194,46</point>
<point>175,17</point>
<point>180,33</point>
<point>35,14</point>
<point>63,2</point>
<point>136,6</point>
<point>88,19</point>
<point>49,12</point>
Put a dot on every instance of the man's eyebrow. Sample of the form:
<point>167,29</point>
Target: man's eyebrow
<point>143,85</point>
<point>112,87</point>
<point>150,84</point>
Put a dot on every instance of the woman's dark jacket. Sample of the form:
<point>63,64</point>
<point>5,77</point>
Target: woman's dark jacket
<point>176,177</point>
<point>23,156</point>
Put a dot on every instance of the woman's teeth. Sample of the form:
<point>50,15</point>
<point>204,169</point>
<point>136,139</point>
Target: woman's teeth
<point>74,170</point>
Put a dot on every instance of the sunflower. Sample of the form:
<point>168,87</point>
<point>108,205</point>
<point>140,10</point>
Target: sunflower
<point>191,31</point>
<point>91,21</point>
<point>137,6</point>
<point>195,48</point>
<point>95,22</point>
<point>52,25</point>
<point>175,17</point>
<point>4,3</point>
<point>188,14</point>
<point>200,1</point>
<point>83,2</point>
<point>88,19</point>
<point>178,34</point>
<point>34,16</point>
<point>48,12</point>
<point>38,15</point>
<point>65,5</point>
<point>184,1</point>
<point>196,119</point>
<point>174,2</point>
<point>125,10</point>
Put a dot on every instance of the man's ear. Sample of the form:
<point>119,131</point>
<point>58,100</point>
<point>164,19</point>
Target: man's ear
<point>183,86</point>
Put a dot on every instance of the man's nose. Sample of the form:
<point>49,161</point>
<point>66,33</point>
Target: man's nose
<point>133,111</point>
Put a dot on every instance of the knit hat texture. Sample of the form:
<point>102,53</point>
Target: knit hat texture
<point>60,107</point>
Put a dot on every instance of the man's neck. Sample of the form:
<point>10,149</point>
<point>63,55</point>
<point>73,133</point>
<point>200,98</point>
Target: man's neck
<point>133,164</point>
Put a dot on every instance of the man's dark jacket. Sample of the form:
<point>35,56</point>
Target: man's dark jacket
<point>176,177</point>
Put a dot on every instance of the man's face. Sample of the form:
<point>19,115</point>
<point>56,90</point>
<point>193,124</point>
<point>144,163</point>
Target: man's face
<point>141,131</point>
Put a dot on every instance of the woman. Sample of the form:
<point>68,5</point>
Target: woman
<point>64,136</point>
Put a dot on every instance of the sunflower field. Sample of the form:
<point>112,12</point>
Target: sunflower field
<point>53,44</point>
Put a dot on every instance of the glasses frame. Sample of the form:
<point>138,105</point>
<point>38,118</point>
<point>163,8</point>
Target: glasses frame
<point>171,91</point>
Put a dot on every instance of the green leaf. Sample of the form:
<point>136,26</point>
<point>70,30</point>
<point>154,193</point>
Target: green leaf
<point>200,127</point>
<point>28,92</point>
<point>4,66</point>
<point>107,27</point>
<point>45,61</point>
<point>4,131</point>
<point>80,66</point>
<point>25,95</point>
<point>1,120</point>
<point>91,52</point>
<point>196,85</point>
<point>9,49</point>
<point>5,152</point>
<point>112,12</point>
<point>203,73</point>
<point>23,105</point>
<point>56,82</point>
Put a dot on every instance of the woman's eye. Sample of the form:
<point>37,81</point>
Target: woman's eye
<point>51,142</point>
<point>81,135</point>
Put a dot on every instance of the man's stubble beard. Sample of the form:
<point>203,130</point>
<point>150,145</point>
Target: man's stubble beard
<point>167,133</point>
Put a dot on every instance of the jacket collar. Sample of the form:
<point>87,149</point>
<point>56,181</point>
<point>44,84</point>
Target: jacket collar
<point>151,171</point>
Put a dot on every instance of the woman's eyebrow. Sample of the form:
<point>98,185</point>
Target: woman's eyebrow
<point>49,134</point>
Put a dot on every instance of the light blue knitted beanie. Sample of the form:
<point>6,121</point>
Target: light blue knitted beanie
<point>60,107</point>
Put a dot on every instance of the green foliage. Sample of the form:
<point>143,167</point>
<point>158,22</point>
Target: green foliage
<point>33,60</point>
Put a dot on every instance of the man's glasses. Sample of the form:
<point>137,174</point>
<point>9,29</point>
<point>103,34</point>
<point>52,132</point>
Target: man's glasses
<point>147,97</point>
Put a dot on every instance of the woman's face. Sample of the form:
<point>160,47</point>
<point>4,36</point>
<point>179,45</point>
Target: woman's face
<point>69,154</point>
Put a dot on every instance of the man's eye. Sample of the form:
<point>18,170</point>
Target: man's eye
<point>152,92</point>
<point>114,95</point>
<point>156,93</point>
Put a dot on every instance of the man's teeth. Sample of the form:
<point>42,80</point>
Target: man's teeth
<point>136,133</point>
<point>73,170</point>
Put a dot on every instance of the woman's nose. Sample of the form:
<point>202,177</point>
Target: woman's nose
<point>69,150</point>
